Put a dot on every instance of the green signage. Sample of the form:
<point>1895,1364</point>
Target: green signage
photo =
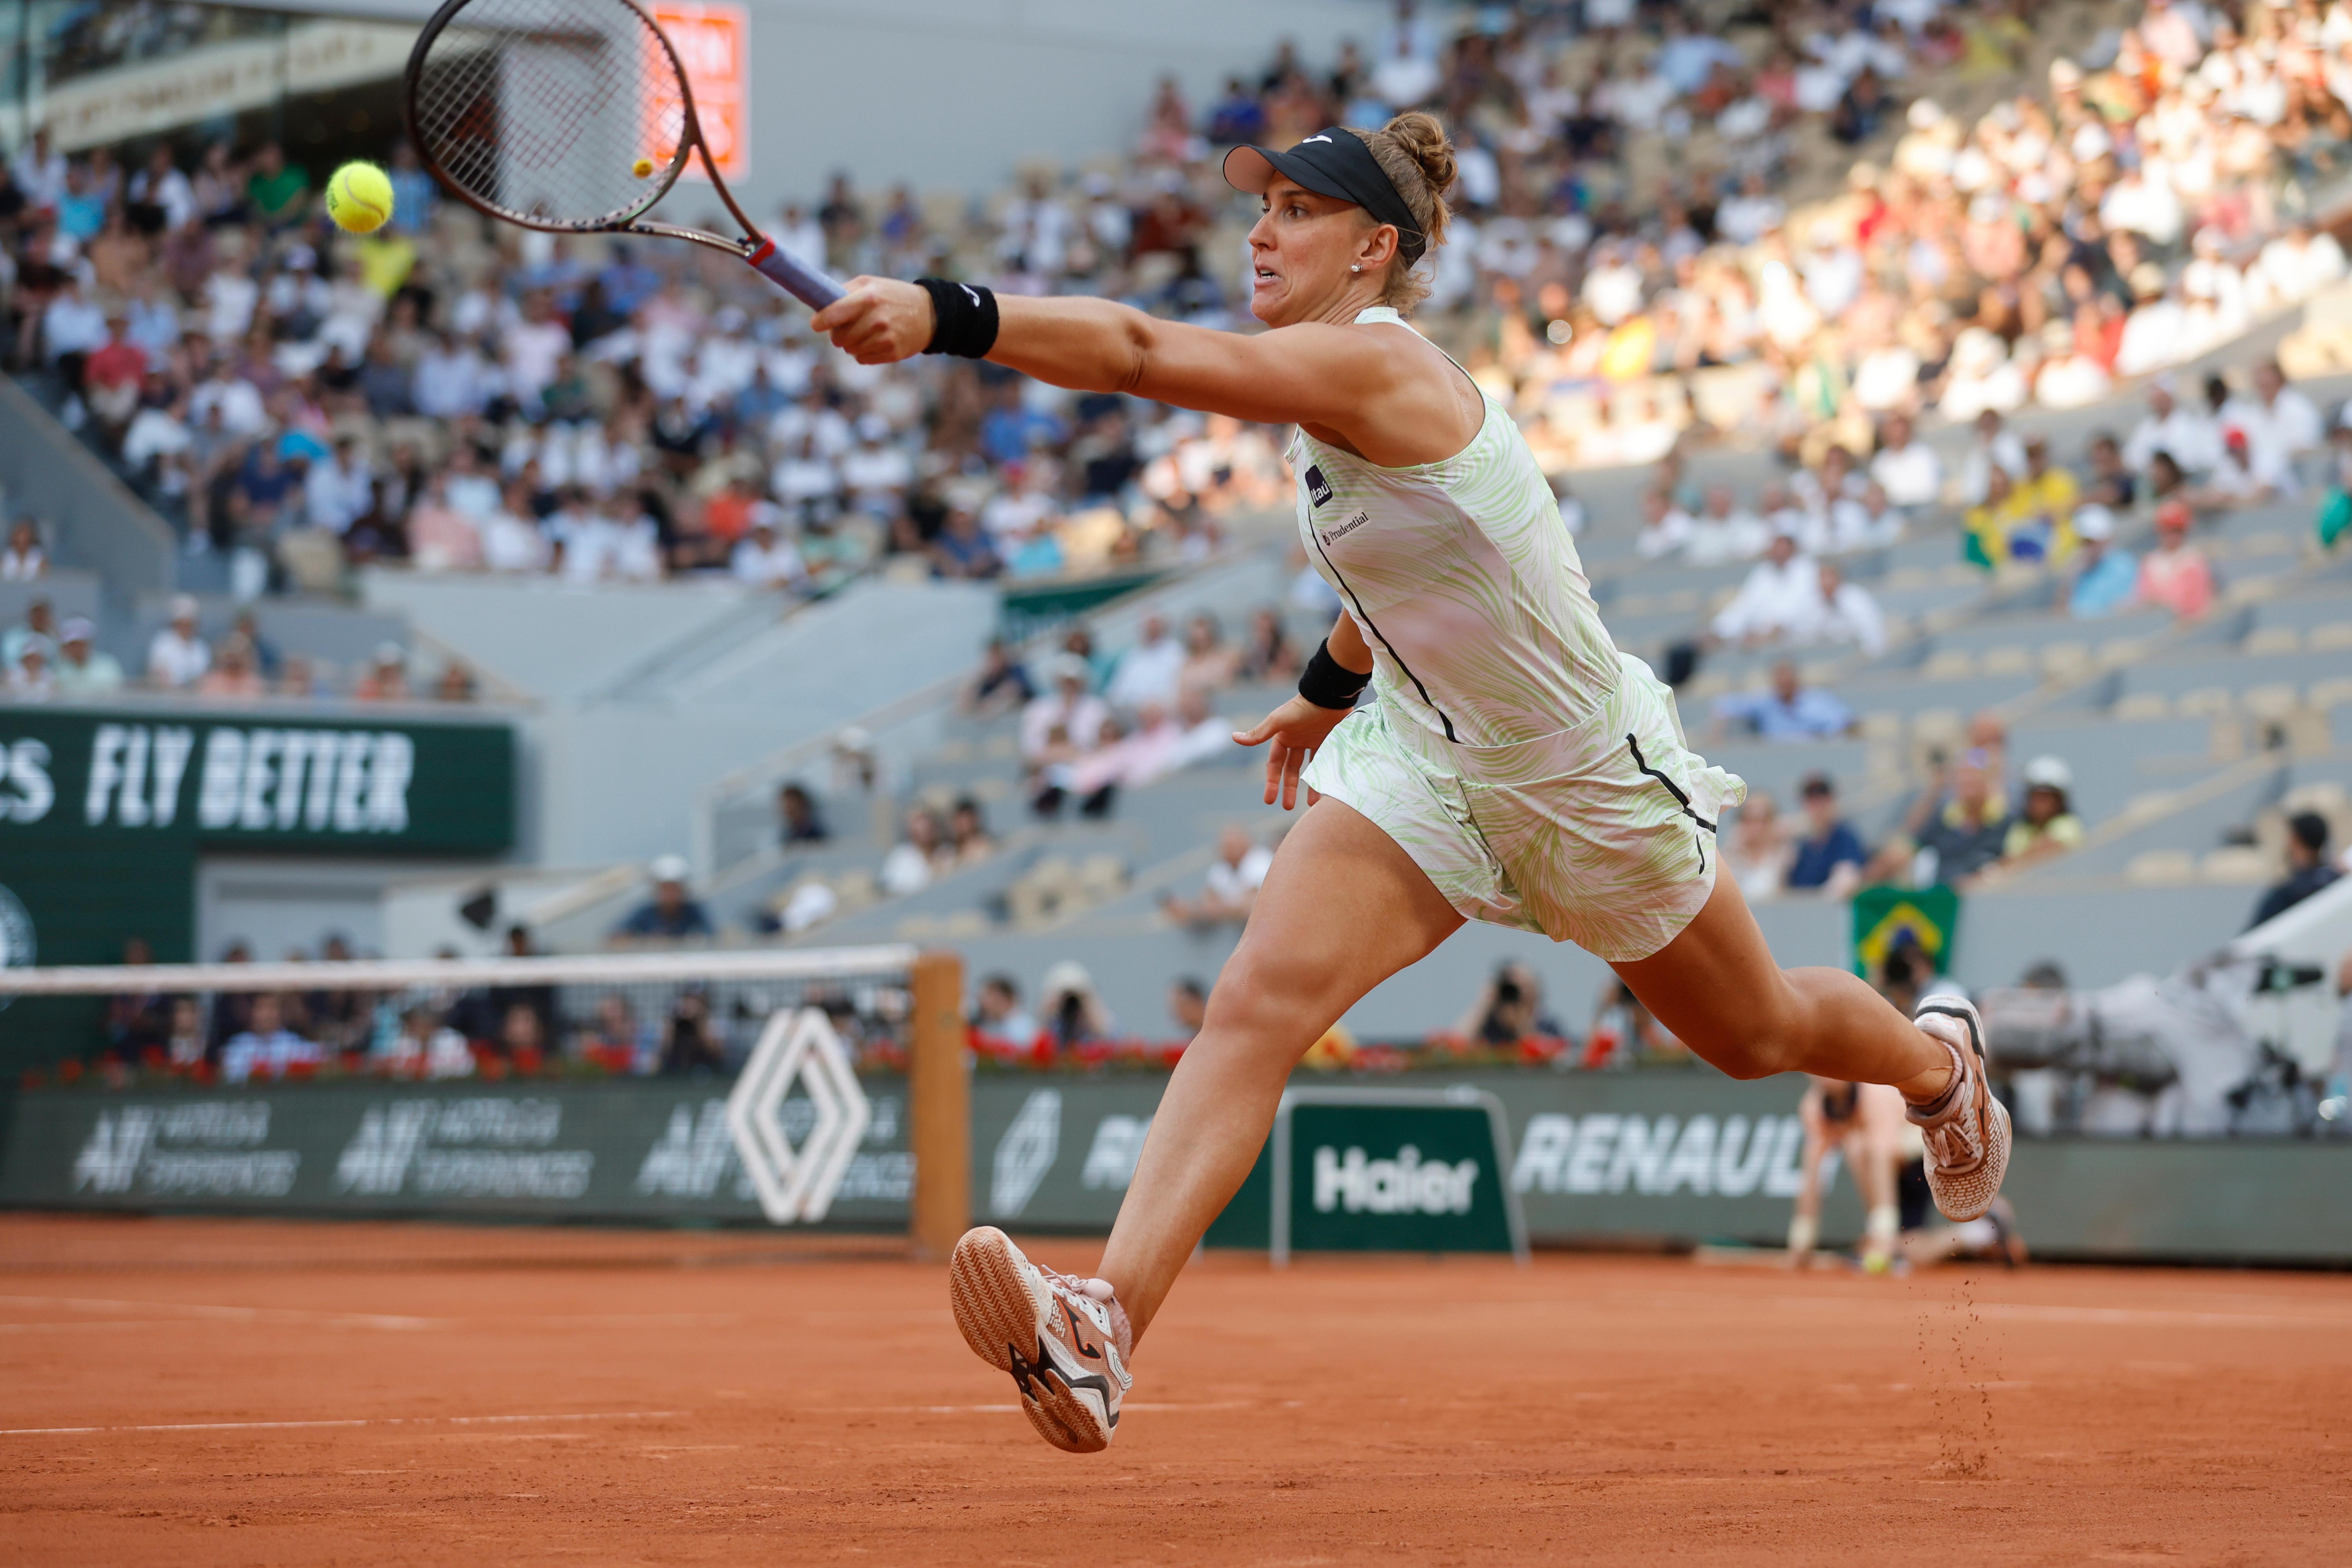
<point>1392,1170</point>
<point>359,785</point>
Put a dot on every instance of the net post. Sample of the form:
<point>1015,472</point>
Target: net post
<point>939,1098</point>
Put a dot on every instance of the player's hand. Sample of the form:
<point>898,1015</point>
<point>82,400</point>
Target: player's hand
<point>1297,729</point>
<point>879,321</point>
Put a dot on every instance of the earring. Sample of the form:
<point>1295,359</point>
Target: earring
<point>1357,266</point>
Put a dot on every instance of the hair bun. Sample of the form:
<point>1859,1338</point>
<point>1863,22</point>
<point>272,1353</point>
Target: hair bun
<point>1421,137</point>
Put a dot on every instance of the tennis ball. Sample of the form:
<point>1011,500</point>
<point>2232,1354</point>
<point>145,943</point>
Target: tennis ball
<point>642,167</point>
<point>359,198</point>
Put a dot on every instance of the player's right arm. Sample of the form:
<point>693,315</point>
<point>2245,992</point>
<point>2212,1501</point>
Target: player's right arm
<point>1352,382</point>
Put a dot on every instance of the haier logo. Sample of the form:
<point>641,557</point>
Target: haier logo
<point>1405,1185</point>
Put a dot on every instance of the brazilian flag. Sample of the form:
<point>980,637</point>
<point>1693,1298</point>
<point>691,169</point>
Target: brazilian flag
<point>1882,915</point>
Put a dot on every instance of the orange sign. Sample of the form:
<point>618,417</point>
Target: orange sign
<point>713,43</point>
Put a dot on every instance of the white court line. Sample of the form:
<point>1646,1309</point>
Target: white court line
<point>347,1421</point>
<point>228,1314</point>
<point>2029,1311</point>
<point>1007,1409</point>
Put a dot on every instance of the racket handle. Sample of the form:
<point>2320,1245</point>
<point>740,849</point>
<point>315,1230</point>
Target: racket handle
<point>809,286</point>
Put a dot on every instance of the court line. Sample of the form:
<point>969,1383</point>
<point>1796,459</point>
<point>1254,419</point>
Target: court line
<point>345,1421</point>
<point>1005,1409</point>
<point>2033,1312</point>
<point>229,1314</point>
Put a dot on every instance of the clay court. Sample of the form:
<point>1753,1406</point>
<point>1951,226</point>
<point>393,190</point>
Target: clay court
<point>214,1392</point>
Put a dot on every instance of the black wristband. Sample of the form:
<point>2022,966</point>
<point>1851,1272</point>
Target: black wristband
<point>965,314</point>
<point>1328,683</point>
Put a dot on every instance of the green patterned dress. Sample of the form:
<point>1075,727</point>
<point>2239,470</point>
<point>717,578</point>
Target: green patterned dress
<point>1537,775</point>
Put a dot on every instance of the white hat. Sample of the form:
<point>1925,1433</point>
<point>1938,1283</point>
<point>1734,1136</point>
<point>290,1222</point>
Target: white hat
<point>667,869</point>
<point>2093,521</point>
<point>1068,976</point>
<point>184,606</point>
<point>2049,773</point>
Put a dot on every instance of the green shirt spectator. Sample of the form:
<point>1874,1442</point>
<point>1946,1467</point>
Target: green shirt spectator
<point>279,191</point>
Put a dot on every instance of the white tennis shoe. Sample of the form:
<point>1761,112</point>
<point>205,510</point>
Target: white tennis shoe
<point>1065,1341</point>
<point>1966,1130</point>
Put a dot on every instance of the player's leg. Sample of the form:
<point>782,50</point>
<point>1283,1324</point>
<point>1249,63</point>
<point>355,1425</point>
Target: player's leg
<point>1717,987</point>
<point>1343,908</point>
<point>1805,1211</point>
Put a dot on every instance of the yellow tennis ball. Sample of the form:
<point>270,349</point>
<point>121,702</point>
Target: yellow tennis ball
<point>359,198</point>
<point>642,167</point>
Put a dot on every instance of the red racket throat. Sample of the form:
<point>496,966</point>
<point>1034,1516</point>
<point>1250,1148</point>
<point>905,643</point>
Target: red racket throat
<point>542,112</point>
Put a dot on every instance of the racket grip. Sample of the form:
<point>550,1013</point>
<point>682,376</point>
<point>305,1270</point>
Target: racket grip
<point>805,283</point>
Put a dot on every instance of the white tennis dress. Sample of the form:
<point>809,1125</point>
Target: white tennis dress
<point>1537,775</point>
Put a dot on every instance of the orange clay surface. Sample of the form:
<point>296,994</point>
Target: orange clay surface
<point>201,1391</point>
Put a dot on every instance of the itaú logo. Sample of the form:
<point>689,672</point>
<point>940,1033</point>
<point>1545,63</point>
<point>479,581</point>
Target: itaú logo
<point>1406,1184</point>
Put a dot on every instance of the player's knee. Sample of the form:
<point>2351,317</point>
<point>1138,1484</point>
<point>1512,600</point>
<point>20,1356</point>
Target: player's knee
<point>1256,996</point>
<point>1760,1044</point>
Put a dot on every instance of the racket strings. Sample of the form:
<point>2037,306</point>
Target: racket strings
<point>539,108</point>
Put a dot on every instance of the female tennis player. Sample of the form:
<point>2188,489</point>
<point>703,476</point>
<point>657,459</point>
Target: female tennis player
<point>1513,768</point>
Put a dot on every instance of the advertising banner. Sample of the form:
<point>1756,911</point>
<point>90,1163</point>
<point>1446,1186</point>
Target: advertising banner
<point>1667,1156</point>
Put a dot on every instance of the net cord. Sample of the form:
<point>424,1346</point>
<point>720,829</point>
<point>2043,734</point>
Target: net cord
<point>390,974</point>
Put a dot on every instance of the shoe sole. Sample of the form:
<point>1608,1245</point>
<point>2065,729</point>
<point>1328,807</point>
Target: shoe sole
<point>997,1312</point>
<point>1979,1197</point>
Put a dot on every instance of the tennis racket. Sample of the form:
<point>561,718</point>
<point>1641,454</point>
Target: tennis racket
<point>543,113</point>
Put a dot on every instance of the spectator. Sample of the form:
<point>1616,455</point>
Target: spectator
<point>1268,654</point>
<point>798,819</point>
<point>1188,1006</point>
<point>671,914</point>
<point>1069,707</point>
<point>2188,438</point>
<point>1230,889</point>
<point>1073,1011</point>
<point>1209,663</point>
<point>2282,427</point>
<point>2175,575</point>
<point>177,657</point>
<point>919,856</point>
<point>1955,843</point>
<point>1789,711</point>
<point>1623,1031</point>
<point>999,1026</point>
<point>2047,827</point>
<point>691,1042</point>
<point>762,559</point>
<point>1666,529</point>
<point>1151,670</point>
<point>1830,857</point>
<point>2105,576</point>
<point>33,677</point>
<point>234,672</point>
<point>266,1047</point>
<point>386,680</point>
<point>84,671</point>
<point>1911,474</point>
<point>1780,597</point>
<point>968,842</point>
<point>24,560</point>
<point>1509,1009</point>
<point>1002,684</point>
<point>1757,850</point>
<point>1847,615</point>
<point>2308,868</point>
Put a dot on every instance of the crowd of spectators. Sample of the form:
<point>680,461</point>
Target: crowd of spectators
<point>47,657</point>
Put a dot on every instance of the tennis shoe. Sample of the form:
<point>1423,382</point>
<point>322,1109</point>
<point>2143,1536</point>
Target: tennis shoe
<point>1966,1130</point>
<point>1065,1341</point>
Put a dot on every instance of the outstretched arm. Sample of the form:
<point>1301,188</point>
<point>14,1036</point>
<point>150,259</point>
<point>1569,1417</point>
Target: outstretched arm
<point>1312,372</point>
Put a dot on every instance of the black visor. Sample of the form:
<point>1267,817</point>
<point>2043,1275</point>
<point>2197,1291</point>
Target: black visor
<point>1332,163</point>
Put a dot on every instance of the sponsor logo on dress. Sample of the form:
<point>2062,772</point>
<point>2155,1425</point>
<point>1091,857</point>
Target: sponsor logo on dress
<point>1318,488</point>
<point>1333,536</point>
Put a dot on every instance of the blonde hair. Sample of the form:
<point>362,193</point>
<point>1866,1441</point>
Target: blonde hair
<point>1417,156</point>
